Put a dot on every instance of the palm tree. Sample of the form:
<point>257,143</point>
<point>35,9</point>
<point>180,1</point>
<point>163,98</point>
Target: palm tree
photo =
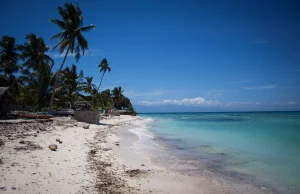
<point>9,57</point>
<point>88,85</point>
<point>117,94</point>
<point>34,53</point>
<point>71,37</point>
<point>71,81</point>
<point>36,68</point>
<point>104,67</point>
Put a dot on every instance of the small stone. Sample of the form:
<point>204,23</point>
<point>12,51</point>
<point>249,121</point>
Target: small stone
<point>3,188</point>
<point>1,162</point>
<point>21,141</point>
<point>60,142</point>
<point>143,164</point>
<point>38,131</point>
<point>117,144</point>
<point>57,140</point>
<point>52,147</point>
<point>35,135</point>
<point>13,188</point>
<point>86,126</point>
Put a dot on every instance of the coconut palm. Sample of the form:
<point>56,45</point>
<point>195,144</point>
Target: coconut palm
<point>70,37</point>
<point>36,69</point>
<point>8,57</point>
<point>34,53</point>
<point>104,67</point>
<point>71,82</point>
<point>88,85</point>
<point>117,94</point>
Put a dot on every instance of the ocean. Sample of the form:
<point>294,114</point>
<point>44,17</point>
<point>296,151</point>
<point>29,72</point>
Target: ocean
<point>257,148</point>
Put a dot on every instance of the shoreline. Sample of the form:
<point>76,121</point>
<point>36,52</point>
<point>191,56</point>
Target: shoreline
<point>100,159</point>
<point>164,180</point>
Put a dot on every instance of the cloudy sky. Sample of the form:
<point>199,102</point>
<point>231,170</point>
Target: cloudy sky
<point>183,55</point>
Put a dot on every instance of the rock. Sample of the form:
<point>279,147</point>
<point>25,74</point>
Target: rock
<point>58,140</point>
<point>13,188</point>
<point>143,164</point>
<point>1,143</point>
<point>86,126</point>
<point>52,147</point>
<point>35,135</point>
<point>3,188</point>
<point>38,131</point>
<point>21,141</point>
<point>117,144</point>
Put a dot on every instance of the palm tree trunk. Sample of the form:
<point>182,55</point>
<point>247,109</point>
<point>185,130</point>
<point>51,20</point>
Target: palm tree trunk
<point>100,82</point>
<point>56,79</point>
<point>99,87</point>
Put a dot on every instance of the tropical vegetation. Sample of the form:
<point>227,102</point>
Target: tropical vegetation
<point>27,69</point>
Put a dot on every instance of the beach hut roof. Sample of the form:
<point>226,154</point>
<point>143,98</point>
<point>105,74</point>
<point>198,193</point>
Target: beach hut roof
<point>2,90</point>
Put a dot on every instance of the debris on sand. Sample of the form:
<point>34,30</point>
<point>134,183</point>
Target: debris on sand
<point>1,143</point>
<point>52,147</point>
<point>93,151</point>
<point>22,142</point>
<point>59,141</point>
<point>29,146</point>
<point>86,126</point>
<point>135,172</point>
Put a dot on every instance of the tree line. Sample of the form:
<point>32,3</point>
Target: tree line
<point>27,69</point>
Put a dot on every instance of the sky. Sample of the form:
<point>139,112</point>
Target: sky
<point>181,55</point>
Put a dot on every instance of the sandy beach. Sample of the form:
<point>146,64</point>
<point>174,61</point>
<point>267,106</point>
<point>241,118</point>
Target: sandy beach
<point>89,159</point>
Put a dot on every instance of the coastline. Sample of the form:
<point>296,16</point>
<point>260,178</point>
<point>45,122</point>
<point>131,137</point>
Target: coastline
<point>100,159</point>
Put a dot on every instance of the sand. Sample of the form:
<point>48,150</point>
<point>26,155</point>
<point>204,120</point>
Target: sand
<point>100,159</point>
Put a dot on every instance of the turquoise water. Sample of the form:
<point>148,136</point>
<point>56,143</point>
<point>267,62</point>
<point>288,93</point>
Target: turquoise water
<point>260,148</point>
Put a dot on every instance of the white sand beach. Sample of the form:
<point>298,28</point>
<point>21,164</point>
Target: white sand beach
<point>100,159</point>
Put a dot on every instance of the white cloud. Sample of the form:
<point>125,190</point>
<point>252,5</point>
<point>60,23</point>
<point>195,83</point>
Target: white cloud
<point>144,94</point>
<point>242,103</point>
<point>260,87</point>
<point>292,103</point>
<point>198,101</point>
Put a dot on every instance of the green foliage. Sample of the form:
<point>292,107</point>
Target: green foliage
<point>27,69</point>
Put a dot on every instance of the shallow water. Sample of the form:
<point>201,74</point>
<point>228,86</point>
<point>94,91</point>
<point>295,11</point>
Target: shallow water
<point>260,148</point>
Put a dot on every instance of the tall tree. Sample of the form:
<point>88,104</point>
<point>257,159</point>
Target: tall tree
<point>88,85</point>
<point>34,53</point>
<point>70,37</point>
<point>117,94</point>
<point>104,67</point>
<point>8,58</point>
<point>36,69</point>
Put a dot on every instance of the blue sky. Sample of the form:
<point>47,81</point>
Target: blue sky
<point>182,55</point>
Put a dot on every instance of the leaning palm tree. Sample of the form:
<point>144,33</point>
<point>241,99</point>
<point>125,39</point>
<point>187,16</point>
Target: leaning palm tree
<point>104,67</point>
<point>70,37</point>
<point>8,56</point>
